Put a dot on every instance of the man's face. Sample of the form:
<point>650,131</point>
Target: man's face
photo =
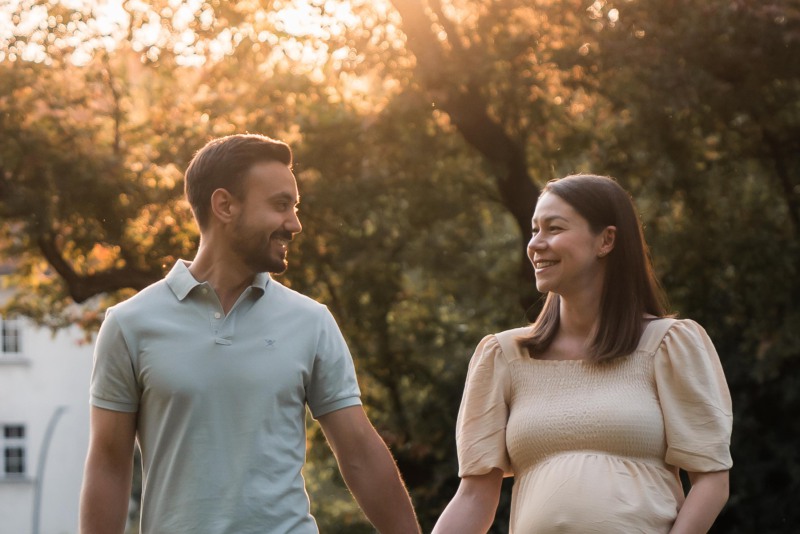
<point>268,218</point>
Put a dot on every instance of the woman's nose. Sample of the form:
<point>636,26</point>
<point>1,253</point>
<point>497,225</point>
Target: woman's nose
<point>535,243</point>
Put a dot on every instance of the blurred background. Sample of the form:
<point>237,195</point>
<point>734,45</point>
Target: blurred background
<point>422,132</point>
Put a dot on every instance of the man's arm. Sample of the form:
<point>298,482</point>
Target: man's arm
<point>369,470</point>
<point>107,477</point>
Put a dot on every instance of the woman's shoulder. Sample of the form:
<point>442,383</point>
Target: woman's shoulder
<point>660,330</point>
<point>682,342</point>
<point>507,343</point>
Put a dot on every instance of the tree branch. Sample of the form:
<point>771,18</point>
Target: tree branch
<point>83,287</point>
<point>469,112</point>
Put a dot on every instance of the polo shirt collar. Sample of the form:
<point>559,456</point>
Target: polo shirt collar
<point>181,281</point>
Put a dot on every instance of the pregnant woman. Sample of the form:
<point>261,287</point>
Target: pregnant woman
<point>596,407</point>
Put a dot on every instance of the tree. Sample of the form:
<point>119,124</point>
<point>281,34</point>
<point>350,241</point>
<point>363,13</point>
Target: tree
<point>118,190</point>
<point>94,202</point>
<point>716,101</point>
<point>422,131</point>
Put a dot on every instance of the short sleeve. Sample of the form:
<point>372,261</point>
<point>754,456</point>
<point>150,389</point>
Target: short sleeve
<point>483,416</point>
<point>113,385</point>
<point>333,384</point>
<point>694,399</point>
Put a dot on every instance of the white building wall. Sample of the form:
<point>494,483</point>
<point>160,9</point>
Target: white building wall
<point>49,372</point>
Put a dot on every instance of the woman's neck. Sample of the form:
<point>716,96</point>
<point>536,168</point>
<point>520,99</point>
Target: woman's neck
<point>578,318</point>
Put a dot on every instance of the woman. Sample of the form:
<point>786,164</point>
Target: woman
<point>595,407</point>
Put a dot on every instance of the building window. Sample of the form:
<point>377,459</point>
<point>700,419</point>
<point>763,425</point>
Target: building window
<point>11,336</point>
<point>13,445</point>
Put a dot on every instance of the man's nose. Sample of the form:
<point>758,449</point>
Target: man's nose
<point>293,224</point>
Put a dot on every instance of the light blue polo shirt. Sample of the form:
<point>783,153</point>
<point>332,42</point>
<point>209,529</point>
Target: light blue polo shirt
<point>221,400</point>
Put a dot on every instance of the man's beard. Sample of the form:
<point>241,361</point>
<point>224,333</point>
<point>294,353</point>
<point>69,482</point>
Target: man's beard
<point>255,249</point>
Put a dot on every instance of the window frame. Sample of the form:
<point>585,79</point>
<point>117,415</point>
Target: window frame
<point>13,442</point>
<point>10,337</point>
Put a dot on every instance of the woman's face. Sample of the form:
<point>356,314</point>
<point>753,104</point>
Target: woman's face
<point>566,255</point>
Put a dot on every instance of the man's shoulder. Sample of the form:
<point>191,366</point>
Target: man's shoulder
<point>150,299</point>
<point>291,297</point>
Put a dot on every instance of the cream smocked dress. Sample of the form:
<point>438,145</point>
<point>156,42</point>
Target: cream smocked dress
<point>596,447</point>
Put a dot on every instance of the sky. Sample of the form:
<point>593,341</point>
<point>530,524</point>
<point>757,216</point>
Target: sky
<point>106,23</point>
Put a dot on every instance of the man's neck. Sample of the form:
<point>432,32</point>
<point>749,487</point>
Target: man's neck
<point>227,278</point>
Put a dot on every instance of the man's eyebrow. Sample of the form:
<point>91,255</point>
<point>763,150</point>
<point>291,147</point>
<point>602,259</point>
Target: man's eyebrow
<point>288,197</point>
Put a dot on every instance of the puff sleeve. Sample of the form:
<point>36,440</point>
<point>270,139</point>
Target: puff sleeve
<point>694,399</point>
<point>483,415</point>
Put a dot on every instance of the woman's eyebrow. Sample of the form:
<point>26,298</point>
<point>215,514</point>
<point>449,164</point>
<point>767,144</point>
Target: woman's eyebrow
<point>551,218</point>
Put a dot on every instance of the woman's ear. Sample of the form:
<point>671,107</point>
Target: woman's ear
<point>607,240</point>
<point>223,205</point>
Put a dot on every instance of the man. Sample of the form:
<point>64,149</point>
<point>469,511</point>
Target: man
<point>212,368</point>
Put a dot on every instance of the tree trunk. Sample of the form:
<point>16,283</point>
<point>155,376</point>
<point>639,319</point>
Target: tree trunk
<point>469,112</point>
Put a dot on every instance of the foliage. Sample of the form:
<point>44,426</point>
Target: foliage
<point>422,130</point>
<point>715,112</point>
<point>389,243</point>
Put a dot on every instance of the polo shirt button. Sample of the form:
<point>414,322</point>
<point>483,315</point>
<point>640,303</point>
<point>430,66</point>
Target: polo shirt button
<point>217,315</point>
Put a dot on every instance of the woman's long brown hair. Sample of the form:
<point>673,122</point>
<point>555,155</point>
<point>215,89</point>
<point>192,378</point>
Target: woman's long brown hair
<point>630,287</point>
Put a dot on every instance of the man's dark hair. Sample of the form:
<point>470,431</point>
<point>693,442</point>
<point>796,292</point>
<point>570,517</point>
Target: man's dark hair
<point>223,163</point>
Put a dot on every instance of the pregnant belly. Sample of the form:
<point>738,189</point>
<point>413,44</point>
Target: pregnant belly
<point>595,493</point>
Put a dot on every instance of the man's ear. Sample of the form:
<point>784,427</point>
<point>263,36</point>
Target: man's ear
<point>224,205</point>
<point>607,241</point>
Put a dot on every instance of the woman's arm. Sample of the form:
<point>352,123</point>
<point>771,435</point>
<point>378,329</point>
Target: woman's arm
<point>705,500</point>
<point>473,507</point>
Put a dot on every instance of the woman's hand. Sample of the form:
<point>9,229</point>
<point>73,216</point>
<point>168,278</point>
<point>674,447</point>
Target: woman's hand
<point>473,507</point>
<point>705,500</point>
